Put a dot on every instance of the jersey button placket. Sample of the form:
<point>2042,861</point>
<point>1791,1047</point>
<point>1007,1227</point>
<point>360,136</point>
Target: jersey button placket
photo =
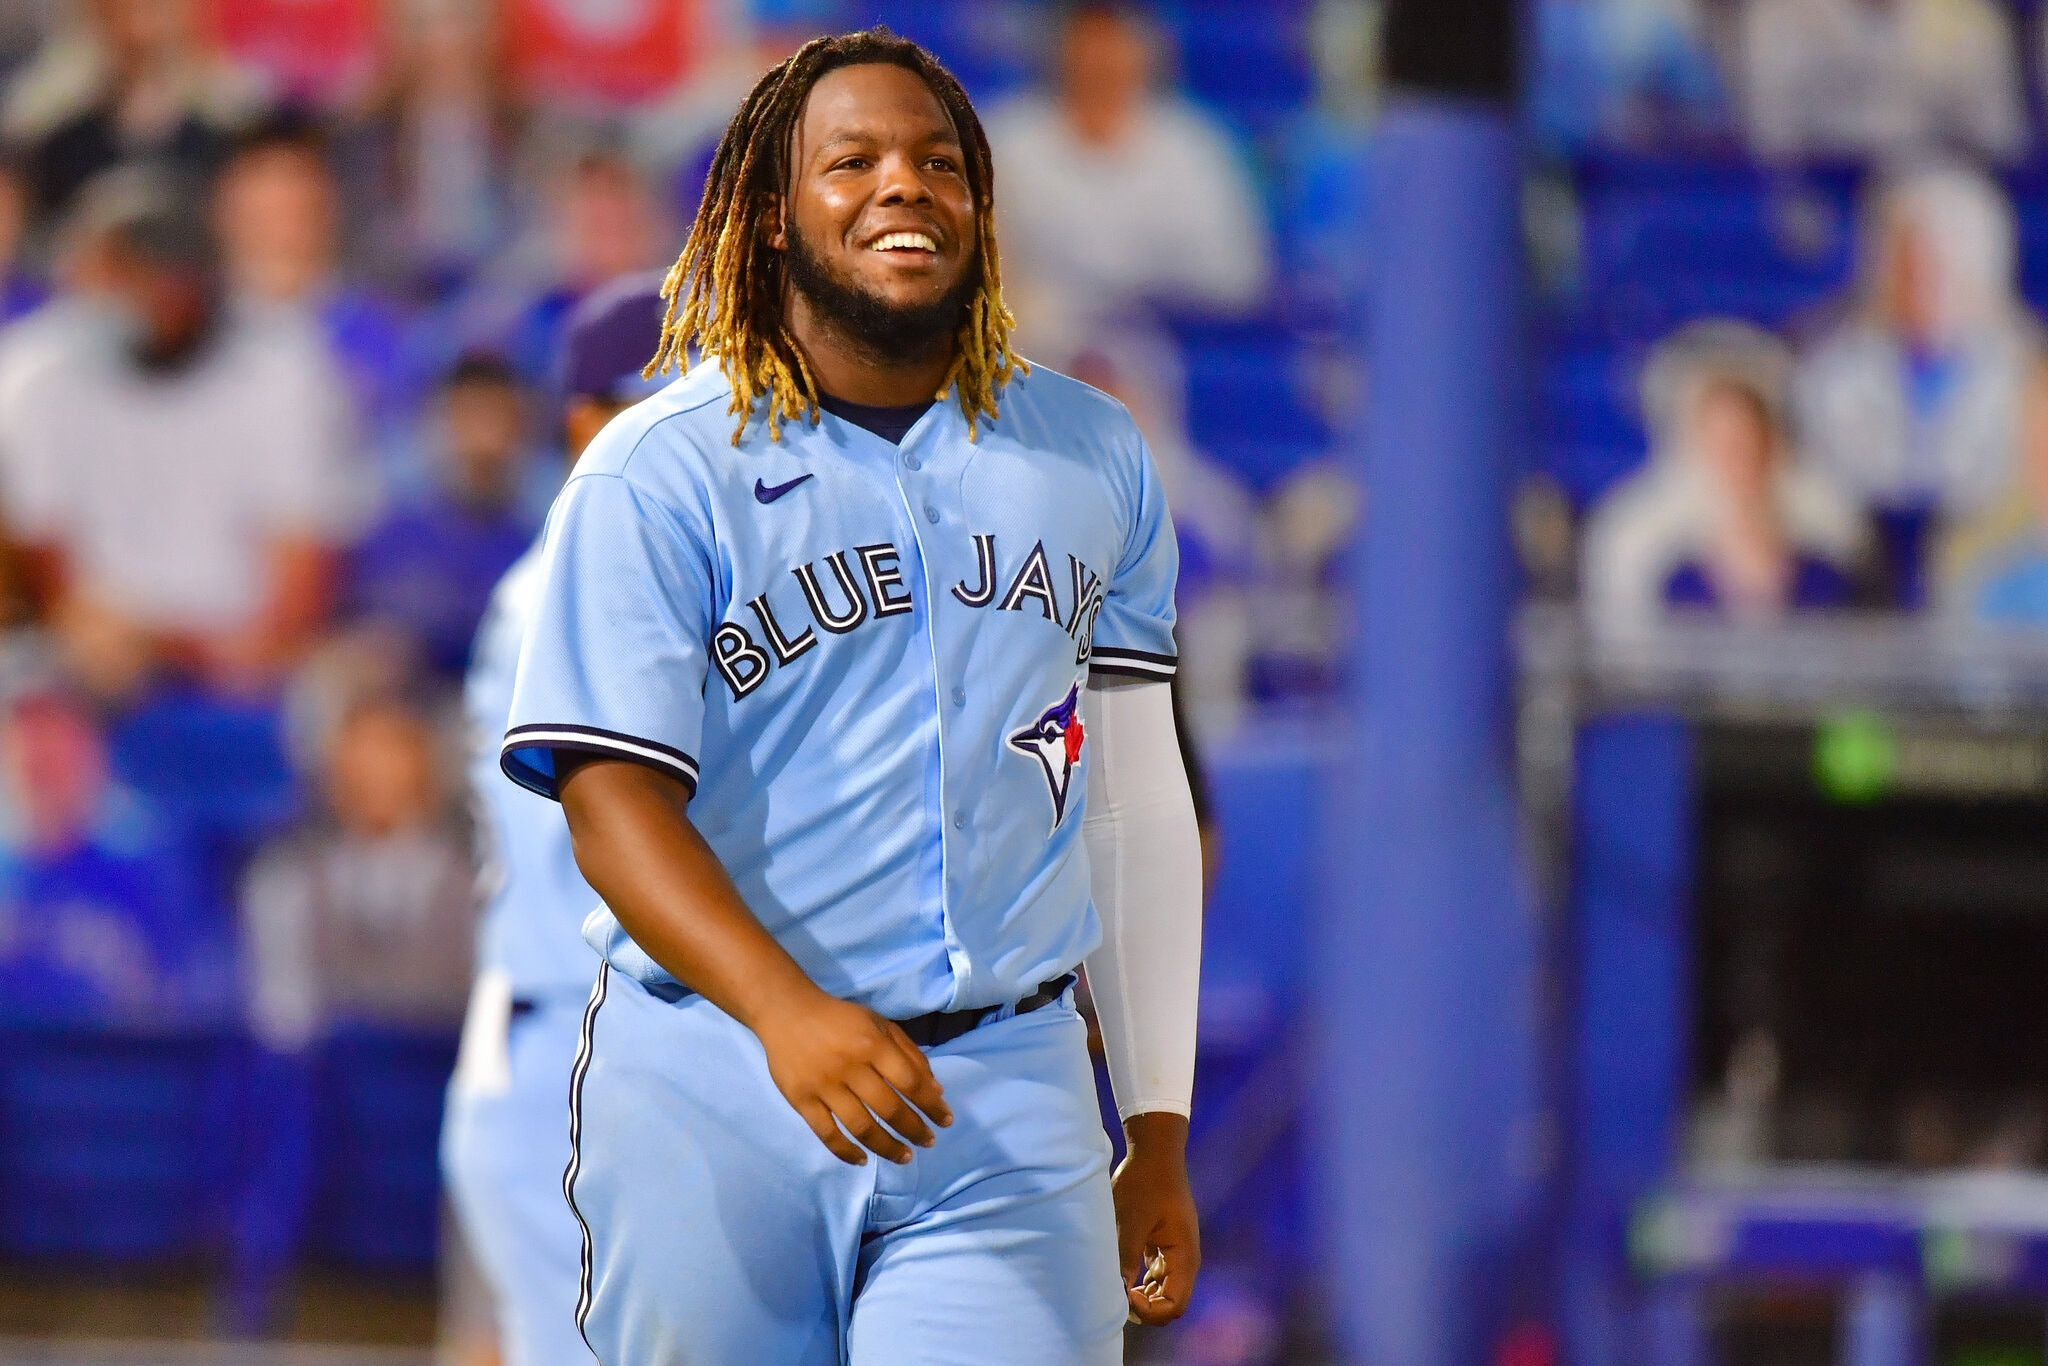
<point>917,497</point>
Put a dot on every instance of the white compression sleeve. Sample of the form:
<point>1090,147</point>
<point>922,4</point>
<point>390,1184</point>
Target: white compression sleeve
<point>1145,860</point>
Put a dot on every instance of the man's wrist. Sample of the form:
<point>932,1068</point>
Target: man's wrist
<point>776,998</point>
<point>1157,1132</point>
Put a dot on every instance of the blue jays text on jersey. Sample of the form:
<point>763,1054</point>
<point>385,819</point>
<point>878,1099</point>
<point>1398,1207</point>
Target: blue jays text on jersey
<point>870,680</point>
<point>878,591</point>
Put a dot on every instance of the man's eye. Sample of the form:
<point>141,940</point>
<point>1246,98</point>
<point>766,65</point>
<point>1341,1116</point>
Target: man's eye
<point>851,164</point>
<point>943,164</point>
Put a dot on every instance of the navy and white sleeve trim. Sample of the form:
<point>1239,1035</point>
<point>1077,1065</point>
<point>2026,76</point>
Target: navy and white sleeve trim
<point>528,754</point>
<point>1132,663</point>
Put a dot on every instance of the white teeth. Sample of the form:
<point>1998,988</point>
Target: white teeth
<point>896,240</point>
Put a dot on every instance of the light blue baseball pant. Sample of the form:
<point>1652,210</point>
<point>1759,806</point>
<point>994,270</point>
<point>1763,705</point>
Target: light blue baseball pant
<point>722,1233</point>
<point>504,1149</point>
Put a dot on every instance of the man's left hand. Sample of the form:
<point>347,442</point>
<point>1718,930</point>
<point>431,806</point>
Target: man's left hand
<point>1159,1242</point>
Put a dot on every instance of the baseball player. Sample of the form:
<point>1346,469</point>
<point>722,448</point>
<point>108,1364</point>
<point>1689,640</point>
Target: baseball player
<point>505,1142</point>
<point>849,669</point>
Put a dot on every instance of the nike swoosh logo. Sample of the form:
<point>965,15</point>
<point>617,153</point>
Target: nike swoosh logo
<point>764,493</point>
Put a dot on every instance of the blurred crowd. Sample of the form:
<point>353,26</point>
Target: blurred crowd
<point>1790,365</point>
<point>281,289</point>
<point>1879,445</point>
<point>1896,456</point>
<point>1788,79</point>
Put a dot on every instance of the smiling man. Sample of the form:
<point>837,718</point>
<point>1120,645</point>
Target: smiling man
<point>850,672</point>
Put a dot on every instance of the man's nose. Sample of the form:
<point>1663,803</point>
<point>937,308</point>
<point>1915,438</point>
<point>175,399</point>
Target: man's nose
<point>902,181</point>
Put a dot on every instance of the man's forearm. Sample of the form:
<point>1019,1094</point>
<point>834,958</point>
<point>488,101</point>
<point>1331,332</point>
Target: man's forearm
<point>635,844</point>
<point>859,1083</point>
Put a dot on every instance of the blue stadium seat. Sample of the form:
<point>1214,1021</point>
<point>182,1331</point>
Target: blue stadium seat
<point>113,1147</point>
<point>378,1182</point>
<point>987,45</point>
<point>215,763</point>
<point>2029,190</point>
<point>1249,398</point>
<point>1665,242</point>
<point>1249,61</point>
<point>1588,422</point>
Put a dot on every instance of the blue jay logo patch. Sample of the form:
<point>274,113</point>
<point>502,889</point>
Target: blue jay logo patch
<point>1055,740</point>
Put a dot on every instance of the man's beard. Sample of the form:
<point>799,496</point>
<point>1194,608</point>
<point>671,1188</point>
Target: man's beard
<point>888,332</point>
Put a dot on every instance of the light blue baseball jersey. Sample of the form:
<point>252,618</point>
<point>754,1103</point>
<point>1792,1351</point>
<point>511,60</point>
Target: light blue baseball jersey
<point>866,661</point>
<point>534,897</point>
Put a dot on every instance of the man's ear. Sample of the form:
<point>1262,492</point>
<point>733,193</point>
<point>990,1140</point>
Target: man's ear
<point>771,224</point>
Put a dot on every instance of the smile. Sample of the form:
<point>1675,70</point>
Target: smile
<point>904,241</point>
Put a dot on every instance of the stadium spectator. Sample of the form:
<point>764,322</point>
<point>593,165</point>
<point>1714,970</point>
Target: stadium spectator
<point>100,918</point>
<point>1115,194</point>
<point>1915,402</point>
<point>675,136</point>
<point>1994,567</point>
<point>602,222</point>
<point>278,214</point>
<point>435,152</point>
<point>20,291</point>
<point>179,473</point>
<point>367,915</point>
<point>360,922</point>
<point>134,82</point>
<point>1876,78</point>
<point>429,565</point>
<point>28,345</point>
<point>1722,517</point>
<point>1634,73</point>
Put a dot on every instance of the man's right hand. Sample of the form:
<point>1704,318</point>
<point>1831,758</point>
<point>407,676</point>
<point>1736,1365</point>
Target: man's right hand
<point>845,1069</point>
<point>848,1071</point>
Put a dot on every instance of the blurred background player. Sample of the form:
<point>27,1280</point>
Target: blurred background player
<point>506,1140</point>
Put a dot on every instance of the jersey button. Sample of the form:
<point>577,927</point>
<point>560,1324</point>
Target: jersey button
<point>959,697</point>
<point>931,514</point>
<point>959,821</point>
<point>911,462</point>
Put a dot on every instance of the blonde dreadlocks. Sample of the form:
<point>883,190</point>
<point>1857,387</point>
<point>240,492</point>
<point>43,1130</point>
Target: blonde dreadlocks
<point>725,290</point>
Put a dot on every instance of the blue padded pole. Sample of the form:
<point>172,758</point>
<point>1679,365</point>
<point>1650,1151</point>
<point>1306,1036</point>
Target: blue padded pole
<point>1430,1150</point>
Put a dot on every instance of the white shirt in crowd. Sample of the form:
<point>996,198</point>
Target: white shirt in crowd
<point>1864,78</point>
<point>1957,454</point>
<point>167,492</point>
<point>1663,515</point>
<point>1168,213</point>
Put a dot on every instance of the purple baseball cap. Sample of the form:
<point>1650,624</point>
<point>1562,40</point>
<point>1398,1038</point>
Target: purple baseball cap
<point>611,336</point>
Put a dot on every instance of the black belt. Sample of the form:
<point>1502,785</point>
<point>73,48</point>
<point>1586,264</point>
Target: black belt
<point>943,1026</point>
